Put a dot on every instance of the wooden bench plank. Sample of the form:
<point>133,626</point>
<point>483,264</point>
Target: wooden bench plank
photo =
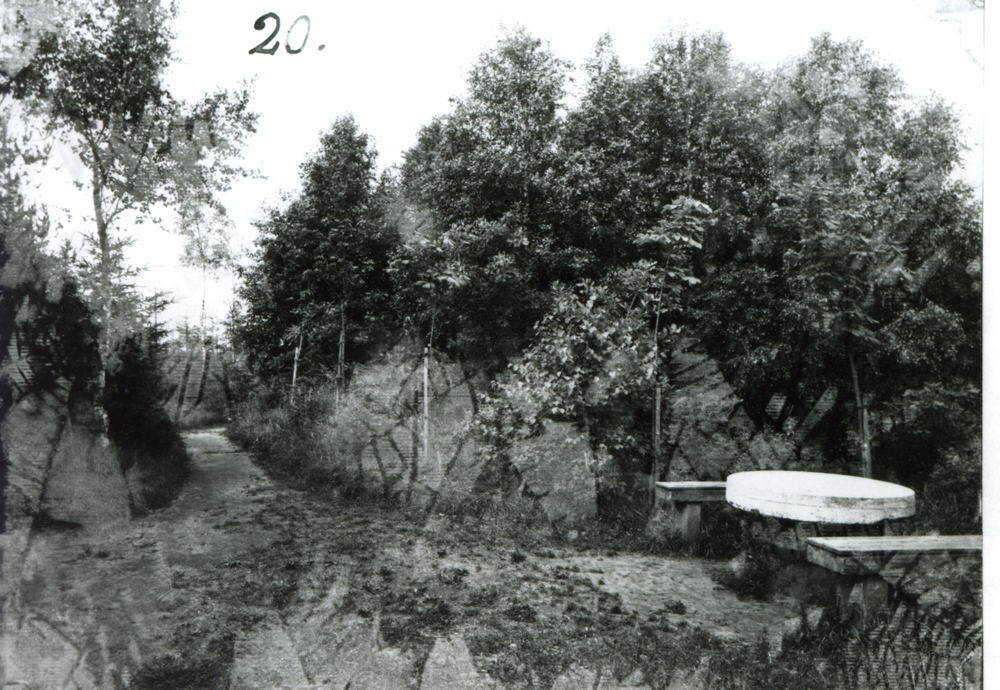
<point>889,556</point>
<point>853,546</point>
<point>694,492</point>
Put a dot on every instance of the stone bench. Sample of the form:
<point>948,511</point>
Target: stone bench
<point>866,565</point>
<point>687,498</point>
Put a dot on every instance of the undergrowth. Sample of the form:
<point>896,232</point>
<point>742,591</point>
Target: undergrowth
<point>149,445</point>
<point>171,673</point>
<point>290,435</point>
<point>948,504</point>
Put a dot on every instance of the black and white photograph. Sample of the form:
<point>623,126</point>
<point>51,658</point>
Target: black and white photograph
<point>517,345</point>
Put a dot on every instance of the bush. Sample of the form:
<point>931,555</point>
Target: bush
<point>753,666</point>
<point>279,429</point>
<point>723,532</point>
<point>949,504</point>
<point>753,574</point>
<point>299,439</point>
<point>150,447</point>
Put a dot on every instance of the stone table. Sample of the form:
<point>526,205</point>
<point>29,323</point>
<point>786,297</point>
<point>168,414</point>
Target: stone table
<point>817,501</point>
<point>819,497</point>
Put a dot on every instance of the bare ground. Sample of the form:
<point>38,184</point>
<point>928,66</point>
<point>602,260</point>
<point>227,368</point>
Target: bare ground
<point>244,583</point>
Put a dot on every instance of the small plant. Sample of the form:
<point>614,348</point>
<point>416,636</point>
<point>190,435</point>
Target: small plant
<point>753,666</point>
<point>170,673</point>
<point>722,532</point>
<point>949,504</point>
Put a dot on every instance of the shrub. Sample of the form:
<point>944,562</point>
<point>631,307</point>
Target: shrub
<point>753,666</point>
<point>949,504</point>
<point>279,429</point>
<point>168,672</point>
<point>150,447</point>
<point>298,436</point>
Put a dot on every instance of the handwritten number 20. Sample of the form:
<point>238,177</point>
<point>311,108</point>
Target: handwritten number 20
<point>261,23</point>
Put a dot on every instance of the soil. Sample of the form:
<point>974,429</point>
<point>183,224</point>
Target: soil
<point>245,583</point>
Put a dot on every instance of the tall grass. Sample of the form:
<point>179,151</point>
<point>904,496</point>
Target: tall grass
<point>298,437</point>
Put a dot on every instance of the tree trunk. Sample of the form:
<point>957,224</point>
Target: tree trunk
<point>182,391</point>
<point>340,355</point>
<point>657,449</point>
<point>655,473</point>
<point>295,363</point>
<point>866,451</point>
<point>204,289</point>
<point>104,245</point>
<point>427,407</point>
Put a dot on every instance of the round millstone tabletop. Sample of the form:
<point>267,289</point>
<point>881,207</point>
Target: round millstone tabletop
<point>819,497</point>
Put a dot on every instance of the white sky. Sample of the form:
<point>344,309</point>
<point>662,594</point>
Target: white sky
<point>394,65</point>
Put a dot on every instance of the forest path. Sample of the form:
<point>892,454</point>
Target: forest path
<point>244,583</point>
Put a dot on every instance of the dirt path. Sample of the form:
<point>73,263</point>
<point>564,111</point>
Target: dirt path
<point>242,583</point>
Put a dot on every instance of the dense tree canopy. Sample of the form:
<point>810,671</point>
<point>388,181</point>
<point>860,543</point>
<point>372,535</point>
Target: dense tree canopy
<point>844,271</point>
<point>806,223</point>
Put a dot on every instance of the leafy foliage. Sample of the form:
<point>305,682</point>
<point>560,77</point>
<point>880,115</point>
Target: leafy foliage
<point>321,261</point>
<point>846,273</point>
<point>472,291</point>
<point>140,427</point>
<point>45,325</point>
<point>49,336</point>
<point>97,83</point>
<point>804,222</point>
<point>42,316</point>
<point>589,355</point>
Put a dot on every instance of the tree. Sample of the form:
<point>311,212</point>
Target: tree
<point>484,172</point>
<point>833,111</point>
<point>206,242</point>
<point>98,83</point>
<point>48,342</point>
<point>700,135</point>
<point>674,241</point>
<point>684,125</point>
<point>840,262</point>
<point>489,157</point>
<point>599,189</point>
<point>857,177</point>
<point>320,272</point>
<point>862,257</point>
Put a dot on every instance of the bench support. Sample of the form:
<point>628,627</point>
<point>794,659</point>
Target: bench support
<point>689,521</point>
<point>867,594</point>
<point>686,499</point>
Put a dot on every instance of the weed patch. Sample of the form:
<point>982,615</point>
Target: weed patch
<point>291,438</point>
<point>521,613</point>
<point>949,504</point>
<point>751,575</point>
<point>751,666</point>
<point>171,673</point>
<point>157,478</point>
<point>412,618</point>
